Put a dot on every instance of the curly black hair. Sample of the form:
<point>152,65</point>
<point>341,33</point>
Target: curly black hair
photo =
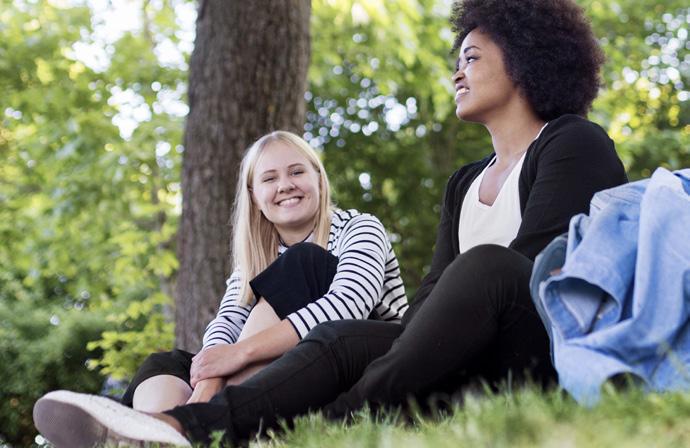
<point>548,46</point>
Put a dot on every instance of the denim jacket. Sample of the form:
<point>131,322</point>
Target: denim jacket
<point>622,300</point>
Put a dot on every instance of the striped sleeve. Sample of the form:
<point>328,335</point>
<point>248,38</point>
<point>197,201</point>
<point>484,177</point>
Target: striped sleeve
<point>358,281</point>
<point>394,301</point>
<point>228,323</point>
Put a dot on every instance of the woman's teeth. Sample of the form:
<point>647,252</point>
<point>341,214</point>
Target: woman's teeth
<point>290,201</point>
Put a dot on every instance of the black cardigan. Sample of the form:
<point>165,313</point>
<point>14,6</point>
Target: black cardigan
<point>571,160</point>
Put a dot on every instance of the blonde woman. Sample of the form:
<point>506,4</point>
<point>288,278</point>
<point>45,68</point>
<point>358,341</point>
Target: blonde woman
<point>297,262</point>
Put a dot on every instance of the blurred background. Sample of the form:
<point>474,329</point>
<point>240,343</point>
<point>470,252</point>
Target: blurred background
<point>92,113</point>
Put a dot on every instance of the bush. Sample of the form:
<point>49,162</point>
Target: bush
<point>42,349</point>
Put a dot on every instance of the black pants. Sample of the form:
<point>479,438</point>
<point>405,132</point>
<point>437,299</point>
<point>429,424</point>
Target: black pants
<point>302,274</point>
<point>478,322</point>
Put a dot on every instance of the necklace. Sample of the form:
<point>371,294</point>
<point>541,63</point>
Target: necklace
<point>284,244</point>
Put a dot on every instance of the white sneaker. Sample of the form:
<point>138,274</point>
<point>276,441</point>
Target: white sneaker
<point>73,420</point>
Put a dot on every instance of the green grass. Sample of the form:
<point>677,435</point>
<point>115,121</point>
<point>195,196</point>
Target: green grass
<point>525,418</point>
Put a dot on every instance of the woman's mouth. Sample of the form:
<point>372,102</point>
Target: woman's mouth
<point>461,91</point>
<point>289,201</point>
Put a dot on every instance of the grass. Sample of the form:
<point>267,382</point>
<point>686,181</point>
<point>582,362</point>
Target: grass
<point>524,418</point>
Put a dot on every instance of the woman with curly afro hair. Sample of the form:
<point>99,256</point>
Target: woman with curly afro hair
<point>527,70</point>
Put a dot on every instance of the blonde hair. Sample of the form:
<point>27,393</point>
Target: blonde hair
<point>256,240</point>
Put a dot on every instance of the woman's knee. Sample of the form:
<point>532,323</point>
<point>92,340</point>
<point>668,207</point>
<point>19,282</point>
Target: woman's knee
<point>327,333</point>
<point>302,251</point>
<point>168,359</point>
<point>488,262</point>
<point>340,331</point>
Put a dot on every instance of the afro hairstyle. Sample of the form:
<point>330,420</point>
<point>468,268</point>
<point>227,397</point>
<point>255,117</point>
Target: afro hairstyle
<point>549,49</point>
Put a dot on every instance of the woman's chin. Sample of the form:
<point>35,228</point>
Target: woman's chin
<point>464,114</point>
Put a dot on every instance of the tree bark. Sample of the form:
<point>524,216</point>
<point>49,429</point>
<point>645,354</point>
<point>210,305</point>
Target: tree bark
<point>248,75</point>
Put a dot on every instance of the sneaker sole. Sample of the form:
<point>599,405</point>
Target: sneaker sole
<point>72,420</point>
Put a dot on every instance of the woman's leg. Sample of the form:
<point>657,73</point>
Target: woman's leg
<point>479,320</point>
<point>261,317</point>
<point>160,393</point>
<point>161,383</point>
<point>329,360</point>
<point>299,276</point>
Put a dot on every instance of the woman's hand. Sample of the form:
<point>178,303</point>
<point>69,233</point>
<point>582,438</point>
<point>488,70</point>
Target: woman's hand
<point>205,389</point>
<point>217,361</point>
<point>226,359</point>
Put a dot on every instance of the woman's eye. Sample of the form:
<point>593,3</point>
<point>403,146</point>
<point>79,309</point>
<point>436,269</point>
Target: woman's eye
<point>268,179</point>
<point>471,58</point>
<point>297,172</point>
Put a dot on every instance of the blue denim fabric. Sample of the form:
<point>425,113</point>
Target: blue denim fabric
<point>622,301</point>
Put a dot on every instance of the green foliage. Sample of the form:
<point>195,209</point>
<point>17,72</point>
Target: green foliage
<point>644,104</point>
<point>42,349</point>
<point>142,328</point>
<point>88,213</point>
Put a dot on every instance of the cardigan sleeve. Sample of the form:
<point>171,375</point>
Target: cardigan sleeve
<point>228,323</point>
<point>358,281</point>
<point>576,160</point>
<point>443,248</point>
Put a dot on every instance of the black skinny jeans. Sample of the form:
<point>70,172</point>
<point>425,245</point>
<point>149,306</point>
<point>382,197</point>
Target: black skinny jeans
<point>478,322</point>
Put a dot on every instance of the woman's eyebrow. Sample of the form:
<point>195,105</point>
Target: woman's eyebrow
<point>469,48</point>
<point>273,170</point>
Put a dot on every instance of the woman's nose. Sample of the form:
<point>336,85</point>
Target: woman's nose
<point>458,75</point>
<point>285,185</point>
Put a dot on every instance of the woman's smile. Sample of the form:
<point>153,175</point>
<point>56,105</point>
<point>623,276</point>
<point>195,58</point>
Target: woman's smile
<point>286,189</point>
<point>460,91</point>
<point>289,202</point>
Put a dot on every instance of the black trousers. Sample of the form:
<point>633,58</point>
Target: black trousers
<point>299,276</point>
<point>478,322</point>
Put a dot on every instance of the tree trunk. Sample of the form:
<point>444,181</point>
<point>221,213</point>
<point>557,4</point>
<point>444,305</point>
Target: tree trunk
<point>248,75</point>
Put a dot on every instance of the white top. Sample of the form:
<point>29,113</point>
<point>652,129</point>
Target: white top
<point>367,278</point>
<point>491,224</point>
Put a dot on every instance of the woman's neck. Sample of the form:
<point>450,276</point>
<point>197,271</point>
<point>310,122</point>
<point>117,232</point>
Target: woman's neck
<point>290,237</point>
<point>512,133</point>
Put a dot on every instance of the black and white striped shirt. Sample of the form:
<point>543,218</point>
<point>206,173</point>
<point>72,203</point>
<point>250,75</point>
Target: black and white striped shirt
<point>367,278</point>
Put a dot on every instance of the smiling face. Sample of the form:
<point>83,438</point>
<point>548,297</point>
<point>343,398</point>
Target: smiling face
<point>482,86</point>
<point>285,187</point>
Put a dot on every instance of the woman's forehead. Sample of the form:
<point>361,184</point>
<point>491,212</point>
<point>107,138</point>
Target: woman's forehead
<point>277,155</point>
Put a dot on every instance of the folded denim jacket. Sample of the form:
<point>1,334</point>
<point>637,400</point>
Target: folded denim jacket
<point>621,301</point>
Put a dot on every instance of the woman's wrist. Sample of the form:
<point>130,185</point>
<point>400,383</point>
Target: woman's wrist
<point>246,352</point>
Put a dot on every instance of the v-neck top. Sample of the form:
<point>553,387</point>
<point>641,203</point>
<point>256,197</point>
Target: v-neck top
<point>491,224</point>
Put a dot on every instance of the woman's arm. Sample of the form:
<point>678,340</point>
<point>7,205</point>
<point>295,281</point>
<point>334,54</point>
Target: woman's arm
<point>228,323</point>
<point>358,282</point>
<point>226,359</point>
<point>222,331</point>
<point>576,160</point>
<point>444,253</point>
